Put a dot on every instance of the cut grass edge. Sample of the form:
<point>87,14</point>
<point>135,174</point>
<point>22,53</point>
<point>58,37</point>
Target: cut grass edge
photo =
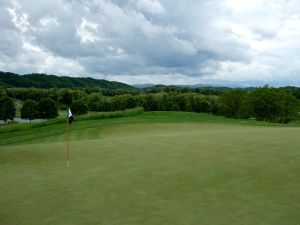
<point>90,116</point>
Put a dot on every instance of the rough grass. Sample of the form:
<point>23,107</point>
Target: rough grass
<point>155,168</point>
<point>7,129</point>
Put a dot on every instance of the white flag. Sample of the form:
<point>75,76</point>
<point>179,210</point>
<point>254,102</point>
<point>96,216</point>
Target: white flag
<point>70,116</point>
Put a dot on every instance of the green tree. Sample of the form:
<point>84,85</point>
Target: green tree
<point>289,108</point>
<point>204,106</point>
<point>79,107</point>
<point>94,102</point>
<point>106,105</point>
<point>274,105</point>
<point>191,102</point>
<point>180,101</point>
<point>130,102</point>
<point>66,97</point>
<point>47,109</point>
<point>148,102</point>
<point>165,101</point>
<point>29,110</point>
<point>265,103</point>
<point>246,108</point>
<point>2,92</point>
<point>118,102</point>
<point>215,104</point>
<point>7,109</point>
<point>231,102</point>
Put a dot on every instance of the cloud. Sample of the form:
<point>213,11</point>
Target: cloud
<point>48,21</point>
<point>20,21</point>
<point>188,41</point>
<point>150,6</point>
<point>88,31</point>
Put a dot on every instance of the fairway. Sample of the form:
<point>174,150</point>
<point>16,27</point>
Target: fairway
<point>164,170</point>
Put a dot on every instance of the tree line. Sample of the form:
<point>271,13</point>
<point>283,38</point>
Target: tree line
<point>269,104</point>
<point>44,109</point>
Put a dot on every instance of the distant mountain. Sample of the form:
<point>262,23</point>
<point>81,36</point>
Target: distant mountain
<point>202,86</point>
<point>37,80</point>
<point>141,86</point>
<point>192,86</point>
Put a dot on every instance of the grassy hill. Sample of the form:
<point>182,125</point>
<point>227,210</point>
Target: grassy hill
<point>166,168</point>
<point>50,81</point>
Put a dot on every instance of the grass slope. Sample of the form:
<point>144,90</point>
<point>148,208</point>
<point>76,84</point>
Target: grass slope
<point>155,168</point>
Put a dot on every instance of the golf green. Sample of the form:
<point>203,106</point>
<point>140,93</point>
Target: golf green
<point>134,171</point>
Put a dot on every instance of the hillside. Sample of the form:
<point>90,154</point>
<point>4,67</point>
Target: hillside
<point>51,81</point>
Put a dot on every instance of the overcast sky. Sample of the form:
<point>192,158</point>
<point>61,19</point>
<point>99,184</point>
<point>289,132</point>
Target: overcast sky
<point>237,42</point>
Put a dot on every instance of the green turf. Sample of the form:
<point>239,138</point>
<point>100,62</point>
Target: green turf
<point>153,169</point>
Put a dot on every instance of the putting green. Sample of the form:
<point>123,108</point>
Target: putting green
<point>134,171</point>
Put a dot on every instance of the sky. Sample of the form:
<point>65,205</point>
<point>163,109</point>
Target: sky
<point>215,42</point>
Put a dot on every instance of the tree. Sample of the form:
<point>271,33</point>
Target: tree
<point>289,107</point>
<point>215,104</point>
<point>165,101</point>
<point>94,102</point>
<point>191,102</point>
<point>130,102</point>
<point>79,107</point>
<point>118,102</point>
<point>246,108</point>
<point>29,110</point>
<point>7,109</point>
<point>274,105</point>
<point>231,102</point>
<point>2,92</point>
<point>47,109</point>
<point>204,106</point>
<point>148,102</point>
<point>180,101</point>
<point>65,97</point>
<point>265,103</point>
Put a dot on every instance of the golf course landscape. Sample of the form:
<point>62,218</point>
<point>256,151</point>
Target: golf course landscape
<point>150,112</point>
<point>152,168</point>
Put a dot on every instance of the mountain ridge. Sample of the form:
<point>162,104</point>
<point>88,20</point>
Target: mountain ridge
<point>41,80</point>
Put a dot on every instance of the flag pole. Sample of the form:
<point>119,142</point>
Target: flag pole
<point>69,122</point>
<point>68,144</point>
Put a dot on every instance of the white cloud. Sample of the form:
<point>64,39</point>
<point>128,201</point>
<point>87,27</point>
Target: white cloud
<point>48,21</point>
<point>240,6</point>
<point>88,31</point>
<point>20,20</point>
<point>157,41</point>
<point>30,47</point>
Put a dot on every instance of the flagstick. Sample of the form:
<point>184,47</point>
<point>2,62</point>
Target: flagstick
<point>68,145</point>
<point>68,142</point>
<point>69,122</point>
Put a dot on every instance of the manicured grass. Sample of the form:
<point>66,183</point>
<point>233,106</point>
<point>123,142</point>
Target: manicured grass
<point>155,168</point>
